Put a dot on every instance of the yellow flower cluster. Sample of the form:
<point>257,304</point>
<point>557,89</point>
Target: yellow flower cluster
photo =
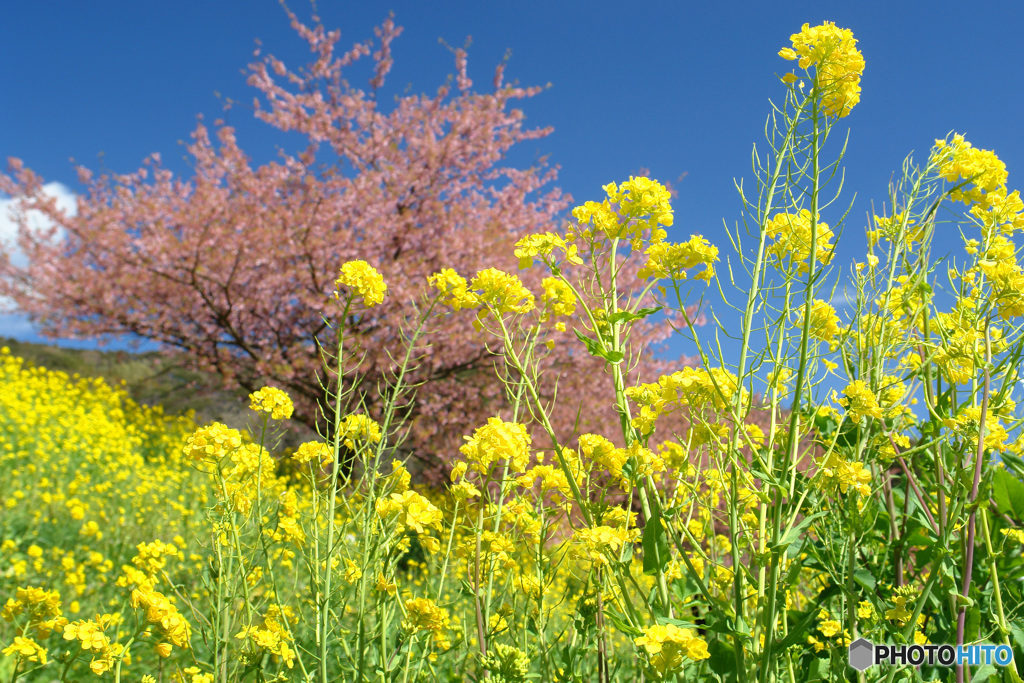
<point>501,292</point>
<point>520,515</point>
<point>289,521</point>
<point>900,614</point>
<point>251,469</point>
<point>42,607</point>
<point>1013,534</point>
<point>497,550</point>
<point>1000,211</point>
<point>997,211</point>
<point>152,557</point>
<point>399,478</point>
<point>412,510</point>
<point>1005,275</point>
<point>546,246</point>
<point>792,235</point>
<point>552,478</point>
<point>636,198</point>
<point>359,428</point>
<point>904,302</point>
<point>696,388</point>
<point>601,217</point>
<point>824,324</point>
<point>453,288</point>
<point>642,197</point>
<point>423,614</point>
<point>93,640</point>
<point>963,332</point>
<point>967,422</point>
<point>830,628</point>
<point>492,290</point>
<point>959,160</point>
<point>844,475</point>
<point>273,401</point>
<point>613,460</point>
<point>890,228</point>
<point>603,453</point>
<point>272,636</point>
<point>363,280</point>
<point>558,298</point>
<point>212,442</point>
<point>27,649</point>
<point>668,646</point>
<point>676,458</point>
<point>601,544</point>
<point>495,442</point>
<point>670,260</point>
<point>163,614</point>
<point>462,490</point>
<point>833,52</point>
<point>190,674</point>
<point>859,401</point>
<point>313,451</point>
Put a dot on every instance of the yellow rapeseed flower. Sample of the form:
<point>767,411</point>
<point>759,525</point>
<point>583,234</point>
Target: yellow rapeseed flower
<point>545,245</point>
<point>313,450</point>
<point>454,289</point>
<point>667,646</point>
<point>671,261</point>
<point>363,280</point>
<point>859,401</point>
<point>273,401</point>
<point>792,235</point>
<point>500,292</point>
<point>497,441</point>
<point>839,64</point>
<point>212,442</point>
<point>26,648</point>
<point>359,428</point>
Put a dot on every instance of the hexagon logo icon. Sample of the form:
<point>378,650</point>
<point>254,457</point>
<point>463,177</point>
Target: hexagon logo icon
<point>862,654</point>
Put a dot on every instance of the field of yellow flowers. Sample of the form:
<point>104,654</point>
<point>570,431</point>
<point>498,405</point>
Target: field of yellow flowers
<point>784,521</point>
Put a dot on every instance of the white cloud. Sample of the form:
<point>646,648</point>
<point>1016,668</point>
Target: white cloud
<point>843,299</point>
<point>36,221</point>
<point>8,234</point>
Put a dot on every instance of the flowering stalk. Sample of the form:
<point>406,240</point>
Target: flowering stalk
<point>979,455</point>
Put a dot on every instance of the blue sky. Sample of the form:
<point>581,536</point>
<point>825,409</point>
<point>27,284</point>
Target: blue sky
<point>679,88</point>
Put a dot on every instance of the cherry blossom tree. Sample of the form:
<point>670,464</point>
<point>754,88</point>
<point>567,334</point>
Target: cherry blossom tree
<point>235,265</point>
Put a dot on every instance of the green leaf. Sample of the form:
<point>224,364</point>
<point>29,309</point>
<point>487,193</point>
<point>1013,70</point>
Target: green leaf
<point>973,623</point>
<point>622,626</point>
<point>865,578</point>
<point>655,544</point>
<point>985,672</point>
<point>626,316</point>
<point>918,537</point>
<point>675,622</point>
<point>818,670</point>
<point>960,600</point>
<point>723,659</point>
<point>594,348</point>
<point>1009,494</point>
<point>795,534</point>
<point>765,477</point>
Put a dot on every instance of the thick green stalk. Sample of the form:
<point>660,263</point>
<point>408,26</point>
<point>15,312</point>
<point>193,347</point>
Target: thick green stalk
<point>781,158</point>
<point>324,603</point>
